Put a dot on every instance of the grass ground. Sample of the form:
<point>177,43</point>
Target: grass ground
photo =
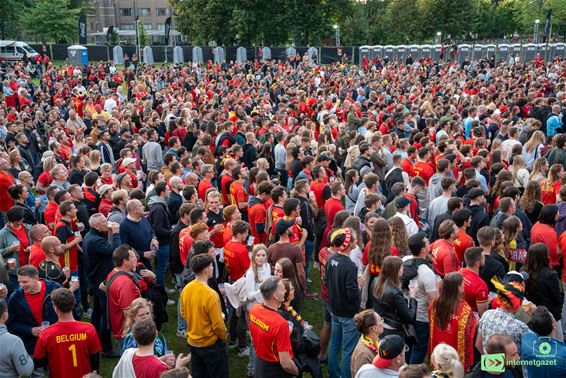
<point>312,313</point>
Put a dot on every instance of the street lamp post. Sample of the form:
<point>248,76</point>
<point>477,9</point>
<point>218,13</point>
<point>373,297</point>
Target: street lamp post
<point>337,28</point>
<point>535,31</point>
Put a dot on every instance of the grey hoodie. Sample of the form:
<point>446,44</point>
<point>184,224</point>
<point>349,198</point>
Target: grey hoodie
<point>434,188</point>
<point>14,360</point>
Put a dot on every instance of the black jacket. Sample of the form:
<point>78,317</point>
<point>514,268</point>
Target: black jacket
<point>250,155</point>
<point>393,307</point>
<point>159,221</point>
<point>361,162</point>
<point>29,216</point>
<point>479,219</point>
<point>544,290</point>
<point>174,256</point>
<point>21,319</point>
<point>307,217</point>
<point>174,202</point>
<point>97,255</point>
<point>342,284</point>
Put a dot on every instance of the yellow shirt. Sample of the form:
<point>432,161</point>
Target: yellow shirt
<point>200,307</point>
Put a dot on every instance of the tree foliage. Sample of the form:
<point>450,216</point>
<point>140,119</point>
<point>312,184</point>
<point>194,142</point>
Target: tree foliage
<point>51,20</point>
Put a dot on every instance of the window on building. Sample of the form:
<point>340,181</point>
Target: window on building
<point>161,27</point>
<point>148,26</point>
<point>144,12</point>
<point>126,12</point>
<point>127,27</point>
<point>163,11</point>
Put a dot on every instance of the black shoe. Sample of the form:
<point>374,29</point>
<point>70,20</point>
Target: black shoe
<point>111,354</point>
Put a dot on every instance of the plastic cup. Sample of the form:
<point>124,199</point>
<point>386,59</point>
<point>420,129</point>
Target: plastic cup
<point>77,233</point>
<point>66,269</point>
<point>412,283</point>
<point>2,287</point>
<point>74,278</point>
<point>11,263</point>
<point>45,324</point>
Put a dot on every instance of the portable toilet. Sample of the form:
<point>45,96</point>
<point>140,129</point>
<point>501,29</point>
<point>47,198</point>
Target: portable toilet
<point>178,56</point>
<point>118,55</point>
<point>78,55</point>
<point>241,55</point>
<point>197,55</point>
<point>219,56</point>
<point>148,55</point>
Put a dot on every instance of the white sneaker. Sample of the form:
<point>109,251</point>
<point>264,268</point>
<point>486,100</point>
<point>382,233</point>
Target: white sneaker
<point>244,352</point>
<point>170,291</point>
<point>88,314</point>
<point>182,333</point>
<point>170,302</point>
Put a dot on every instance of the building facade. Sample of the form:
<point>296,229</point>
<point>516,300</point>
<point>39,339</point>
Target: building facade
<point>122,14</point>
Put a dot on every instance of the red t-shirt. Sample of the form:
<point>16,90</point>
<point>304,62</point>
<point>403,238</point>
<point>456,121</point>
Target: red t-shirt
<point>444,258</point>
<point>237,259</point>
<point>549,191</point>
<point>36,255</point>
<point>423,170</point>
<point>121,294</point>
<point>375,270</point>
<point>214,219</point>
<point>331,208</point>
<point>321,193</point>
<point>463,242</point>
<point>276,214</point>
<point>270,333</point>
<point>35,302</point>
<point>224,181</point>
<point>185,244</point>
<point>22,236</point>
<point>203,186</point>
<point>407,166</point>
<point>475,289</point>
<point>50,214</point>
<point>148,366</point>
<point>45,178</point>
<point>6,181</point>
<point>238,194</point>
<point>257,215</point>
<point>64,232</point>
<point>543,233</point>
<point>68,347</point>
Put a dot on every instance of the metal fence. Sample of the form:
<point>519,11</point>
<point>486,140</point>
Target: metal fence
<point>327,55</point>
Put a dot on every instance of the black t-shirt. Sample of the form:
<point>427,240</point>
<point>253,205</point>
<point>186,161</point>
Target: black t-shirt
<point>492,268</point>
<point>51,271</point>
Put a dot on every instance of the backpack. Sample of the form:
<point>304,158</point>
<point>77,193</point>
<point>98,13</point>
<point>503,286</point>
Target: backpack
<point>410,271</point>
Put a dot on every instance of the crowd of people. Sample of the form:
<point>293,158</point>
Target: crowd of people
<point>429,195</point>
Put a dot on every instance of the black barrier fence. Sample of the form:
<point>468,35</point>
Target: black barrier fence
<point>328,55</point>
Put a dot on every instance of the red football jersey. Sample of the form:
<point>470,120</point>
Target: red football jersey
<point>68,346</point>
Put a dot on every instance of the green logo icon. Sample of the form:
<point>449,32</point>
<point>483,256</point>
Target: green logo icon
<point>544,348</point>
<point>493,363</point>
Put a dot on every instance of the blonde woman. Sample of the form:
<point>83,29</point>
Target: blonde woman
<point>141,309</point>
<point>519,172</point>
<point>531,149</point>
<point>259,271</point>
<point>540,170</point>
<point>94,160</point>
<point>446,362</point>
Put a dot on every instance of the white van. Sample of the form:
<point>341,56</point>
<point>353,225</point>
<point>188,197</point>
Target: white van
<point>14,50</point>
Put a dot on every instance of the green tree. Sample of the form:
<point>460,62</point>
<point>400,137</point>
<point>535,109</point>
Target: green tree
<point>10,18</point>
<point>453,19</point>
<point>114,38</point>
<point>142,34</point>
<point>404,19</point>
<point>51,20</point>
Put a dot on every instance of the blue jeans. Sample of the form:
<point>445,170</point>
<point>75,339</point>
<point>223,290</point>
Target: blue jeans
<point>181,323</point>
<point>161,261</point>
<point>309,248</point>
<point>344,337</point>
<point>420,348</point>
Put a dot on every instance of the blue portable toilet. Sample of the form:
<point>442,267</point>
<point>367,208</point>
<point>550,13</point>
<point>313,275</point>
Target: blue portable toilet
<point>78,55</point>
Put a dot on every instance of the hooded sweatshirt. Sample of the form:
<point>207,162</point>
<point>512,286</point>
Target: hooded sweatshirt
<point>434,188</point>
<point>14,360</point>
<point>159,218</point>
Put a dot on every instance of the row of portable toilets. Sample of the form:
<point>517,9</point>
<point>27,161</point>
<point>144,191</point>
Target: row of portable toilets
<point>78,54</point>
<point>218,53</point>
<point>461,53</point>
